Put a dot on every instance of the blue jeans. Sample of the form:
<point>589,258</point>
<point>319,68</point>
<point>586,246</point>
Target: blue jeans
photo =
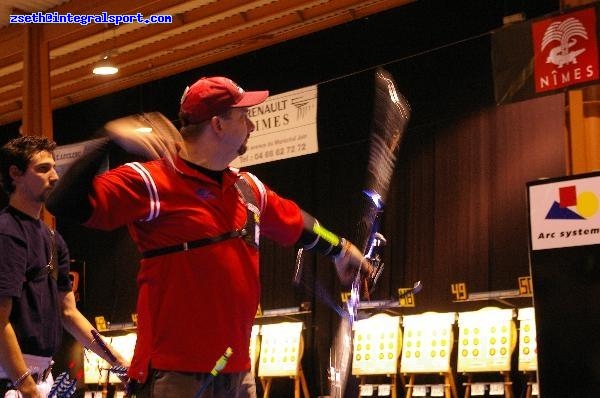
<point>170,384</point>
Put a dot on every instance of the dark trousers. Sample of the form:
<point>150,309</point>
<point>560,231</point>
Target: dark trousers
<point>169,384</point>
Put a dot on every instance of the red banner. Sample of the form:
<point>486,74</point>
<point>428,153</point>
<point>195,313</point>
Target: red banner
<point>565,50</point>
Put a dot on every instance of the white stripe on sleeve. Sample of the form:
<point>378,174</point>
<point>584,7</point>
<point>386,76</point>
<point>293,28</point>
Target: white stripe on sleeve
<point>154,204</point>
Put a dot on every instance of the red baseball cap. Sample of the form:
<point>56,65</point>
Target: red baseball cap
<point>211,96</point>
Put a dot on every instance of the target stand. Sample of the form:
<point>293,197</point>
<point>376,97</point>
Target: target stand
<point>487,339</point>
<point>528,350</point>
<point>426,350</point>
<point>281,351</point>
<point>377,342</point>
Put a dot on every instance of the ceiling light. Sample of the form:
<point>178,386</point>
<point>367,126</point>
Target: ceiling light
<point>105,67</point>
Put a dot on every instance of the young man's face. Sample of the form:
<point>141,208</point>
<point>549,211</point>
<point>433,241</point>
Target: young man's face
<point>38,180</point>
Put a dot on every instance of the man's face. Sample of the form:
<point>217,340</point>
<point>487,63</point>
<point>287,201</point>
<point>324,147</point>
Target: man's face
<point>38,180</point>
<point>238,128</point>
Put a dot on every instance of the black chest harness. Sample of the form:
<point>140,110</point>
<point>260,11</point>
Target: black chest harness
<point>249,232</point>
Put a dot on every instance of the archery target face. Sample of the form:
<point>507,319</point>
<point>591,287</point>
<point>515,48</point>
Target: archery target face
<point>377,341</point>
<point>527,340</point>
<point>486,340</point>
<point>428,340</point>
<point>280,349</point>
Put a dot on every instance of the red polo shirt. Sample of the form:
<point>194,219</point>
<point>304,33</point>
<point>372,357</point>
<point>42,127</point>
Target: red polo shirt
<point>193,304</point>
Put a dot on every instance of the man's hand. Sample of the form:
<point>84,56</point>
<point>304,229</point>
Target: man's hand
<point>27,390</point>
<point>150,135</point>
<point>349,261</point>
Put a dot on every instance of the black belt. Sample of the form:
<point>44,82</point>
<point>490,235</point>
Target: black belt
<point>182,247</point>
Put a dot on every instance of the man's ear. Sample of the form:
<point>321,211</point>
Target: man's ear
<point>14,172</point>
<point>217,126</point>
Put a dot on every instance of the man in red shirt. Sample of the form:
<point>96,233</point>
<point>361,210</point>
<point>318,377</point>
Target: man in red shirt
<point>197,223</point>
